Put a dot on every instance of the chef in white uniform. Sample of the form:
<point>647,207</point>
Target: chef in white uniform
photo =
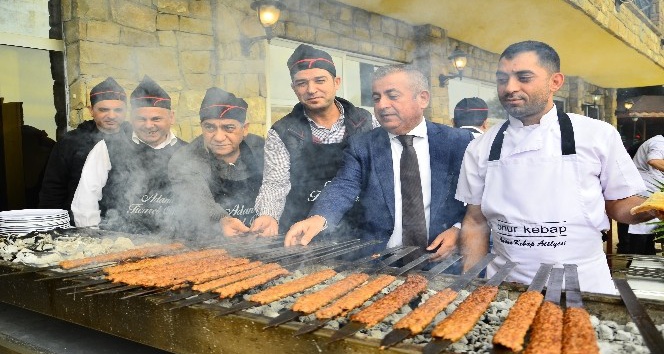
<point>544,181</point>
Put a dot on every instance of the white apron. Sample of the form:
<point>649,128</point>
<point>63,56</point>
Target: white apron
<point>534,207</point>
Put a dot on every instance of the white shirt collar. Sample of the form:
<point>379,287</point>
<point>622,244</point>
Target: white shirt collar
<point>419,131</point>
<point>548,118</point>
<point>171,139</point>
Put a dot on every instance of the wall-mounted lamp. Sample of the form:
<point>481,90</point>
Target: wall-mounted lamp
<point>597,96</point>
<point>268,12</point>
<point>628,104</point>
<point>459,59</point>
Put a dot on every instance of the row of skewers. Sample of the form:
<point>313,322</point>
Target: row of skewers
<point>195,276</point>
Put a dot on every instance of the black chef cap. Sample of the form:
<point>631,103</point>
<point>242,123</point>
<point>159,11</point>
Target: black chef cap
<point>107,90</point>
<point>470,111</point>
<point>307,57</point>
<point>149,94</point>
<point>218,103</point>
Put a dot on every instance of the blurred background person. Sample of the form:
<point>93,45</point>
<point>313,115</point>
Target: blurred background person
<point>471,114</point>
<point>649,161</point>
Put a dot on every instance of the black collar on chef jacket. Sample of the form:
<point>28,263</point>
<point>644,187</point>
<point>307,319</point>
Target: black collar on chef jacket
<point>567,143</point>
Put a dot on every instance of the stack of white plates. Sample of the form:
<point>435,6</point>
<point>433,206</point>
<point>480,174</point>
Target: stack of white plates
<point>21,222</point>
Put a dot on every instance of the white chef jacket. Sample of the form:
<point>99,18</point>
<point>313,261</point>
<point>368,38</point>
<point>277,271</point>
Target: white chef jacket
<point>85,205</point>
<point>607,171</point>
<point>651,149</point>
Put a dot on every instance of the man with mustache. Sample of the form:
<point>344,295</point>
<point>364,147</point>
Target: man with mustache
<point>544,181</point>
<point>303,149</point>
<point>216,178</point>
<point>108,107</point>
<point>404,173</point>
<point>124,184</point>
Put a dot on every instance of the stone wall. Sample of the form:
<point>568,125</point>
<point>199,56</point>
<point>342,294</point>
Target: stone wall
<point>628,24</point>
<point>168,40</point>
<point>190,45</point>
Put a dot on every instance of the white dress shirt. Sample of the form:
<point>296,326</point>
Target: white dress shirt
<point>94,176</point>
<point>421,145</point>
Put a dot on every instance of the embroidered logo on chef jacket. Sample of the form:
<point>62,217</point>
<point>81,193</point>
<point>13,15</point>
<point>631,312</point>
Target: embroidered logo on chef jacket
<point>152,204</point>
<point>530,235</point>
<point>243,213</point>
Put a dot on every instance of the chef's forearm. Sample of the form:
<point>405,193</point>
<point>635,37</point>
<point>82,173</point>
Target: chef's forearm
<point>474,236</point>
<point>619,210</point>
<point>657,163</point>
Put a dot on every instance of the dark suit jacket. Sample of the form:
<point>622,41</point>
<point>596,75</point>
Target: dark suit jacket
<point>367,172</point>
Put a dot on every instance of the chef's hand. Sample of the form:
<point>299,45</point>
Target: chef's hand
<point>265,225</point>
<point>232,226</point>
<point>445,242</point>
<point>301,233</point>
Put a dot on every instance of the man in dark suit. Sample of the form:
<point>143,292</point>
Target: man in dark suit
<point>372,170</point>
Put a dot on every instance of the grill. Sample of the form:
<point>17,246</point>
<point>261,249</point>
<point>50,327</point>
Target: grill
<point>201,327</point>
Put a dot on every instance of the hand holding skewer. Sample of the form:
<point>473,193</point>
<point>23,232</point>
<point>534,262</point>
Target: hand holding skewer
<point>265,225</point>
<point>445,244</point>
<point>232,226</point>
<point>301,233</point>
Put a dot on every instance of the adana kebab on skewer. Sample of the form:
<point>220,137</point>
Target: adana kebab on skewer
<point>212,279</point>
<point>464,318</point>
<point>301,284</point>
<point>150,275</point>
<point>161,261</point>
<point>578,332</point>
<point>355,298</point>
<point>512,332</point>
<point>247,271</point>
<point>135,253</point>
<point>229,279</point>
<point>381,308</point>
<point>167,275</point>
<point>244,285</point>
<point>314,301</point>
<point>466,315</point>
<point>236,288</point>
<point>417,320</point>
<point>546,332</point>
<point>280,291</point>
<point>360,295</point>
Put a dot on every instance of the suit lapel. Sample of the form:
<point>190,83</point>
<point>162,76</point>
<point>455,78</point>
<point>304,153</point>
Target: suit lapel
<point>439,160</point>
<point>381,151</point>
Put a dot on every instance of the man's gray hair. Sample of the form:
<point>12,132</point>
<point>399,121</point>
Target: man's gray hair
<point>418,82</point>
